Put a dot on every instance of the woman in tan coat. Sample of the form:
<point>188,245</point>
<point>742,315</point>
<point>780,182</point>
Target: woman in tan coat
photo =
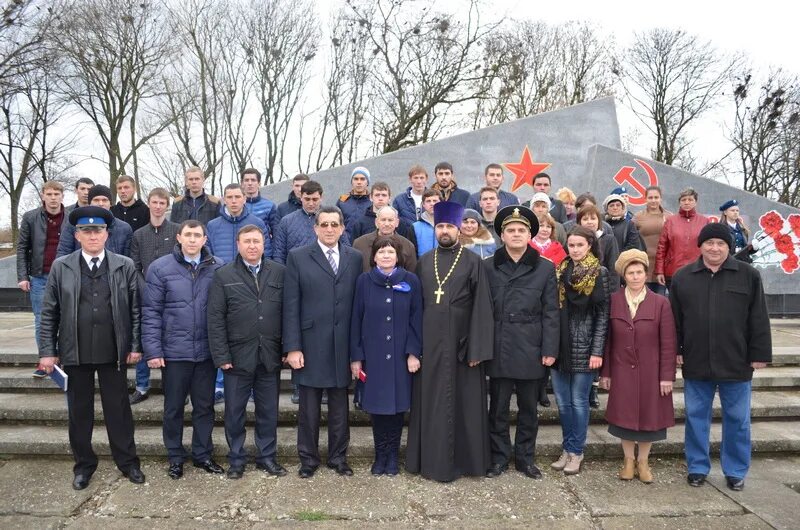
<point>650,223</point>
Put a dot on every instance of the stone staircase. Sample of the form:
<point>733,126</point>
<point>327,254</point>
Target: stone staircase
<point>33,414</point>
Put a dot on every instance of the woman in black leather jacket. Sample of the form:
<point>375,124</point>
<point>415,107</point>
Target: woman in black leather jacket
<point>584,294</point>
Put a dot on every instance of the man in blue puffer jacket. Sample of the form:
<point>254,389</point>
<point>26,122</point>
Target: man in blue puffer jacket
<point>257,205</point>
<point>223,230</point>
<point>175,339</point>
<point>297,228</point>
<point>119,232</point>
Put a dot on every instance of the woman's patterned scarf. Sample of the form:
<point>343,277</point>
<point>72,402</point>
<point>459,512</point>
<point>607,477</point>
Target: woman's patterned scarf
<point>583,277</point>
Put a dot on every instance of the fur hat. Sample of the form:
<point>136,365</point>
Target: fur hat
<point>633,255</point>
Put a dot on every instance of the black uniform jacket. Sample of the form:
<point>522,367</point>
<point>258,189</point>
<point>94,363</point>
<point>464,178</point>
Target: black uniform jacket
<point>526,318</point>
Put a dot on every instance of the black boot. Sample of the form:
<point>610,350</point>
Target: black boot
<point>594,401</point>
<point>379,466</point>
<point>393,450</point>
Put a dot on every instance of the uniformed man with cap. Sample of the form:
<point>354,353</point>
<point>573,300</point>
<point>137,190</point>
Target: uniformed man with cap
<point>90,323</point>
<point>526,334</point>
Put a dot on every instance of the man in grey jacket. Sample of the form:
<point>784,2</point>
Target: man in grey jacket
<point>89,294</point>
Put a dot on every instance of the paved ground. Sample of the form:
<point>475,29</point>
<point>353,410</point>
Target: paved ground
<point>37,494</point>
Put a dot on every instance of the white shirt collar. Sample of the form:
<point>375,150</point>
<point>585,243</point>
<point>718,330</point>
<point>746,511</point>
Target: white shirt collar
<point>88,259</point>
<point>326,248</point>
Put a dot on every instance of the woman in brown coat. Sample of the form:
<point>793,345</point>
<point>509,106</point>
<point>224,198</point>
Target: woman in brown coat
<point>639,365</point>
<point>650,223</point>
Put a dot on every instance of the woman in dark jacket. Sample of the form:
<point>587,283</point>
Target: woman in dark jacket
<point>583,292</point>
<point>385,346</point>
<point>640,361</point>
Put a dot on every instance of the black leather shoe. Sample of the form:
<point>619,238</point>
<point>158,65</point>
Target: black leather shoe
<point>235,473</point>
<point>496,470</point>
<point>209,466</point>
<point>342,469</point>
<point>306,471</point>
<point>696,479</point>
<point>80,482</point>
<point>735,484</point>
<point>530,471</point>
<point>138,397</point>
<point>175,471</point>
<point>135,475</point>
<point>272,467</point>
<point>544,402</point>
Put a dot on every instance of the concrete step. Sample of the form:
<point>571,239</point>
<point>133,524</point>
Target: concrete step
<point>41,440</point>
<point>51,408</point>
<point>18,379</point>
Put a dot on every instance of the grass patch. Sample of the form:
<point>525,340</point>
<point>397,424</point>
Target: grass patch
<point>312,515</point>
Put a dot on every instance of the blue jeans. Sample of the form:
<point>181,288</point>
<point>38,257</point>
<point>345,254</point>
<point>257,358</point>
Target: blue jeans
<point>38,284</point>
<point>219,384</point>
<point>572,396</point>
<point>735,447</point>
<point>142,377</point>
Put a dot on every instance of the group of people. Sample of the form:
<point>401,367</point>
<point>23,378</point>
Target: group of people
<point>444,305</point>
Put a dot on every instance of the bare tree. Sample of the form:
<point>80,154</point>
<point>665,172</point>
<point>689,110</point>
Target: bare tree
<point>29,147</point>
<point>533,67</point>
<point>209,91</point>
<point>766,135</point>
<point>425,64</point>
<point>114,53</point>
<point>23,27</point>
<point>280,38</point>
<point>342,120</point>
<point>670,79</point>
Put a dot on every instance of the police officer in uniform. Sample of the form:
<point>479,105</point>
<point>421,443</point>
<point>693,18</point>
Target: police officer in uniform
<point>90,318</point>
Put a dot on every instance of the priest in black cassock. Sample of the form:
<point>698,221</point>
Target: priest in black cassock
<point>448,433</point>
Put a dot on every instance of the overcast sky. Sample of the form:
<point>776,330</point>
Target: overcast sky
<point>766,33</point>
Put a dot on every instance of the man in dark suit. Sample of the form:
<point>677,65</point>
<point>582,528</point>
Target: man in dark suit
<point>90,320</point>
<point>318,299</point>
<point>244,332</point>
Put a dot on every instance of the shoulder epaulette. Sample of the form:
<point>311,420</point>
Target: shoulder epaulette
<point>213,199</point>
<point>178,198</point>
<point>344,197</point>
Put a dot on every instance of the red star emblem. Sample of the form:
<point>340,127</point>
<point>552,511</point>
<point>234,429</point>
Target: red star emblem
<point>525,169</point>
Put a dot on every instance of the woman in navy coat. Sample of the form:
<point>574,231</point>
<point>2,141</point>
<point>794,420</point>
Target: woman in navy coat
<point>385,346</point>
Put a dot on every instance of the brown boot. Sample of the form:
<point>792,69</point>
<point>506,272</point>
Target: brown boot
<point>559,464</point>
<point>628,470</point>
<point>643,469</point>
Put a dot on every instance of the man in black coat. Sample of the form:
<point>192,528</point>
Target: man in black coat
<point>244,333</point>
<point>317,305</point>
<point>723,335</point>
<point>90,319</point>
<point>526,333</point>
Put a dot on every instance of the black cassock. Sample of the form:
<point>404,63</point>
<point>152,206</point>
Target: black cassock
<point>448,432</point>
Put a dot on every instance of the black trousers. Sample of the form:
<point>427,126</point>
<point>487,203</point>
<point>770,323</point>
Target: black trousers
<point>116,412</point>
<point>500,390</point>
<point>181,379</point>
<point>308,425</point>
<point>265,387</point>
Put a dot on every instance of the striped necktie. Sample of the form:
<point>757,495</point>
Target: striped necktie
<point>332,261</point>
